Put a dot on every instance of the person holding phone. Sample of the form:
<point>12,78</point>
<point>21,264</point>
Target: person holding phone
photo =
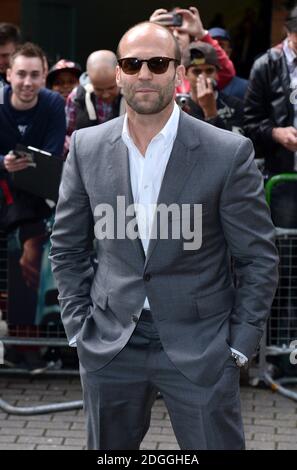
<point>32,116</point>
<point>189,27</point>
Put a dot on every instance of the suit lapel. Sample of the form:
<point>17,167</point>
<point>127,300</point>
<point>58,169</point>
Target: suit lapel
<point>180,166</point>
<point>119,171</point>
<point>182,160</point>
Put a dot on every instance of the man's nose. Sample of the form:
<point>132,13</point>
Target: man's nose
<point>28,80</point>
<point>144,73</point>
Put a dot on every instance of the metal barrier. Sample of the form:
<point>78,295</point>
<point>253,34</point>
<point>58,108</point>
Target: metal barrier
<point>36,336</point>
<point>281,330</point>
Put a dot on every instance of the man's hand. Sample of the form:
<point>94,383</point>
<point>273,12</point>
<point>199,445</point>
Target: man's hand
<point>286,136</point>
<point>161,16</point>
<point>192,23</point>
<point>12,163</point>
<point>206,97</point>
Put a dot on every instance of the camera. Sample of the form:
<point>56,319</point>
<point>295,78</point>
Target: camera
<point>182,99</point>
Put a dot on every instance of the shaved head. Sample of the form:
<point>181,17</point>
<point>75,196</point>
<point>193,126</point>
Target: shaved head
<point>101,68</point>
<point>140,32</point>
<point>101,60</point>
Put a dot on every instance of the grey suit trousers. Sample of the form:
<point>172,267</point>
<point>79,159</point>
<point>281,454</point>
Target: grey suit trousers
<point>118,399</point>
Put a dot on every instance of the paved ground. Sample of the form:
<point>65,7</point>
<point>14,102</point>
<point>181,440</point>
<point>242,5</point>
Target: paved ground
<point>270,419</point>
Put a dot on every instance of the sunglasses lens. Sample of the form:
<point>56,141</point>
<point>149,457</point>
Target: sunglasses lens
<point>158,64</point>
<point>130,66</point>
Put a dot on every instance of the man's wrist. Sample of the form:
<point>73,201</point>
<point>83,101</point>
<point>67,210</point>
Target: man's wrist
<point>209,116</point>
<point>275,134</point>
<point>200,37</point>
<point>210,113</point>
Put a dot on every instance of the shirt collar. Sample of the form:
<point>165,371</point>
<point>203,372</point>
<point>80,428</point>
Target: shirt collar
<point>168,133</point>
<point>289,53</point>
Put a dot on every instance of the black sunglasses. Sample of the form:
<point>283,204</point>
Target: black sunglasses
<point>158,65</point>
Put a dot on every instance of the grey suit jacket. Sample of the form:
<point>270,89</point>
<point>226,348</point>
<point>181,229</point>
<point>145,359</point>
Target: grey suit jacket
<point>198,310</point>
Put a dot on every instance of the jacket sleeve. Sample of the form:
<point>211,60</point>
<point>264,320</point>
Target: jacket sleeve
<point>257,123</point>
<point>227,71</point>
<point>249,233</point>
<point>72,246</point>
<point>56,129</point>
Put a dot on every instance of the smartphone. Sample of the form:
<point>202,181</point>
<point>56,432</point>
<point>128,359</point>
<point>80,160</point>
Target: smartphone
<point>21,154</point>
<point>22,151</point>
<point>177,19</point>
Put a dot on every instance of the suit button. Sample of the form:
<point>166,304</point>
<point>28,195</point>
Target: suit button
<point>135,318</point>
<point>147,277</point>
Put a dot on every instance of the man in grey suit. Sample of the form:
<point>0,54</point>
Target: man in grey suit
<point>162,312</point>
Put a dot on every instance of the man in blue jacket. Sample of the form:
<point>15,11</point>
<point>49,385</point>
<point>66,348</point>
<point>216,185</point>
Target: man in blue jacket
<point>29,115</point>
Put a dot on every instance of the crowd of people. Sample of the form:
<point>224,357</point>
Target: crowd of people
<point>259,108</point>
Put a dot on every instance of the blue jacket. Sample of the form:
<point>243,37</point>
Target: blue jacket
<point>47,130</point>
<point>237,88</point>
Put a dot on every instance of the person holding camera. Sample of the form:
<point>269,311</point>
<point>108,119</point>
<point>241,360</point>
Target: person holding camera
<point>205,101</point>
<point>186,26</point>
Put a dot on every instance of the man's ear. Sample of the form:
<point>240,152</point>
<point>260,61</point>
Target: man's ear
<point>180,75</point>
<point>118,76</point>
<point>8,74</point>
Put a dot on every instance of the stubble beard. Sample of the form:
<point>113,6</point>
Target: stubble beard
<point>147,104</point>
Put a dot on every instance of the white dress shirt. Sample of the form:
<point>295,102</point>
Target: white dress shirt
<point>146,173</point>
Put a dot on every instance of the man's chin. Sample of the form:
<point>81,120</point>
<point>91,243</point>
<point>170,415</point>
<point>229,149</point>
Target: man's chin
<point>145,107</point>
<point>147,111</point>
<point>27,98</point>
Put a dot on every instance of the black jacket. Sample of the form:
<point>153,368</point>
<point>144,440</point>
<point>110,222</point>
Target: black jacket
<point>82,116</point>
<point>267,105</point>
<point>230,113</point>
